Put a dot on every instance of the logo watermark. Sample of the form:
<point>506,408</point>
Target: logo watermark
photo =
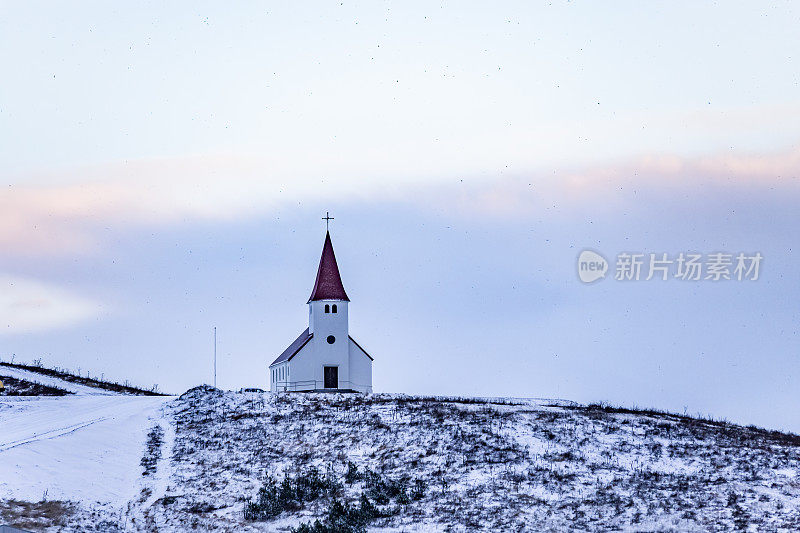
<point>685,266</point>
<point>591,266</point>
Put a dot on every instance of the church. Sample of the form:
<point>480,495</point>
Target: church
<point>324,357</point>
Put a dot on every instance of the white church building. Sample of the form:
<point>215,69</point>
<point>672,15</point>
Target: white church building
<point>324,357</point>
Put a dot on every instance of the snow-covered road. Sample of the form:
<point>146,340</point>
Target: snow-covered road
<point>85,447</point>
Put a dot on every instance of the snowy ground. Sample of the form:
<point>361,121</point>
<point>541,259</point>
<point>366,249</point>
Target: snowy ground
<point>492,465</point>
<point>84,447</point>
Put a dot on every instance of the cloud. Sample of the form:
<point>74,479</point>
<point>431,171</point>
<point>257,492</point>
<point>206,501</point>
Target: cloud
<point>65,212</point>
<point>28,305</point>
<point>68,212</point>
<point>624,185</point>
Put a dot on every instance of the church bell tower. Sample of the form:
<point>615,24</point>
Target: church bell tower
<point>327,318</point>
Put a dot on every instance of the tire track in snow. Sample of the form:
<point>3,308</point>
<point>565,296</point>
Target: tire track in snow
<point>52,434</point>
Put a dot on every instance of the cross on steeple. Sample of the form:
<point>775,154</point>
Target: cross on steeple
<point>327,218</point>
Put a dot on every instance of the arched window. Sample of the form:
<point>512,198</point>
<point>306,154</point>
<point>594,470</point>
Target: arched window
<point>327,308</point>
<point>334,308</point>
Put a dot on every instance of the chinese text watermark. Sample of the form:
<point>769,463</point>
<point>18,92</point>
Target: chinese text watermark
<point>686,266</point>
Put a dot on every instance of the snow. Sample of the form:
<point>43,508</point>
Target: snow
<point>51,381</point>
<point>160,483</point>
<point>85,447</point>
<point>488,464</point>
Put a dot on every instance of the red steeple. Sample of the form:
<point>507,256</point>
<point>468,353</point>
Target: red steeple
<point>329,283</point>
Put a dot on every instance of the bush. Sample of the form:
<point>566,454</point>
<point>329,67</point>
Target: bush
<point>343,518</point>
<point>290,495</point>
<point>352,475</point>
<point>418,492</point>
<point>381,489</point>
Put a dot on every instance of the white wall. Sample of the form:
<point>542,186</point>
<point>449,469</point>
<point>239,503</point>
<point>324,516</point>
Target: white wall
<point>360,369</point>
<point>325,325</point>
<point>355,368</point>
<point>284,374</point>
<point>303,368</point>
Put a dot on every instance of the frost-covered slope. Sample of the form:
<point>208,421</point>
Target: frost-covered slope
<point>503,465</point>
<point>71,381</point>
<point>54,382</point>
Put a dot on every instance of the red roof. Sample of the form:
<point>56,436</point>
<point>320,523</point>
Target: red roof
<point>329,283</point>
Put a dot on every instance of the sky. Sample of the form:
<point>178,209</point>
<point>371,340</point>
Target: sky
<point>165,167</point>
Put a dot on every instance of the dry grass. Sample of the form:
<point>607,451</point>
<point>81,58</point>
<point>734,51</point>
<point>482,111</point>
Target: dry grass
<point>35,516</point>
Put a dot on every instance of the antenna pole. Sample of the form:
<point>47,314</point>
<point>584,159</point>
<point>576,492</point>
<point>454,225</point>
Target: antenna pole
<point>215,357</point>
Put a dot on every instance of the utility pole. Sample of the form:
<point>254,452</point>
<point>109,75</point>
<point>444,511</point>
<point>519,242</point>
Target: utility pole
<point>215,357</point>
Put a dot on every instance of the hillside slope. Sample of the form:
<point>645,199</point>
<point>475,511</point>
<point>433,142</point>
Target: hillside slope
<point>70,381</point>
<point>436,464</point>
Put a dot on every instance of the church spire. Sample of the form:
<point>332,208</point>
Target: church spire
<point>328,285</point>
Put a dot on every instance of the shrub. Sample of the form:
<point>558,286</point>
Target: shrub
<point>418,492</point>
<point>290,495</point>
<point>342,518</point>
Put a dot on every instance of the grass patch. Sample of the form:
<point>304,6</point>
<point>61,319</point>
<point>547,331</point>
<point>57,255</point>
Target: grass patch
<point>152,451</point>
<point>21,387</point>
<point>35,515</point>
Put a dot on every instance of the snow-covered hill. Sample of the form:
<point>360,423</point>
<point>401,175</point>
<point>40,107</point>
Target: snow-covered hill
<point>421,464</point>
<point>70,382</point>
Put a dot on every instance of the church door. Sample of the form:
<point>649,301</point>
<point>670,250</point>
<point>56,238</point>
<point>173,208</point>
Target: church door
<point>331,374</point>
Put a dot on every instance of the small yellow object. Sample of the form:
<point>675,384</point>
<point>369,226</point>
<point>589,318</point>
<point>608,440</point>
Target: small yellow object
<point>2,387</point>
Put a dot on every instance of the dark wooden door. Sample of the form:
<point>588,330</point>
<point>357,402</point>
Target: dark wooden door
<point>331,374</point>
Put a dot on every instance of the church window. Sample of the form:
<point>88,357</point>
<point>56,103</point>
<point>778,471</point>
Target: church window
<point>331,339</point>
<point>334,308</point>
<point>327,308</point>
